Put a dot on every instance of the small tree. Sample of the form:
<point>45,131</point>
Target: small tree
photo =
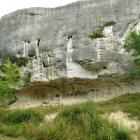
<point>132,45</point>
<point>12,72</point>
<point>9,81</point>
<point>5,91</point>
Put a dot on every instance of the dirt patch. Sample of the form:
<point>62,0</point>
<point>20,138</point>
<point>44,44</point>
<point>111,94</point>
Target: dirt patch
<point>25,102</point>
<point>124,119</point>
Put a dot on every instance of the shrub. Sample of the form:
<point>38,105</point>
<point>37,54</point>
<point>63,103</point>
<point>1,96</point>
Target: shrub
<point>12,72</point>
<point>9,81</point>
<point>97,34</point>
<point>19,116</point>
<point>5,91</point>
<point>132,45</point>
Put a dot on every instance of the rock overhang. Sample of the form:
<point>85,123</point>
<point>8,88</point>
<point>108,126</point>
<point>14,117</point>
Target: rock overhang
<point>56,43</point>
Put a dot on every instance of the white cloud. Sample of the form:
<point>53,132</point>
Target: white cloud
<point>7,6</point>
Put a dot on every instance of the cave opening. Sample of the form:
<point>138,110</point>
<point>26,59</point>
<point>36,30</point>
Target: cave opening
<point>38,41</point>
<point>70,36</point>
<point>57,96</point>
<point>105,67</point>
<point>28,41</point>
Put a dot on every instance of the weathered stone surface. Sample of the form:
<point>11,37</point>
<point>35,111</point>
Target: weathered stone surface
<point>104,87</point>
<point>56,43</point>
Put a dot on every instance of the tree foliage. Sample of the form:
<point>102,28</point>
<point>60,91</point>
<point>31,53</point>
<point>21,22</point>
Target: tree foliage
<point>132,45</point>
<point>9,80</point>
<point>12,72</point>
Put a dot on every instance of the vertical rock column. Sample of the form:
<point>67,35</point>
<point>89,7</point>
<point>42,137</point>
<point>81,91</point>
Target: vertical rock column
<point>74,69</point>
<point>69,51</point>
<point>98,49</point>
<point>25,48</point>
<point>37,65</point>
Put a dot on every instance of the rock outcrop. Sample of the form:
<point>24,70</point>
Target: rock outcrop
<point>57,49</point>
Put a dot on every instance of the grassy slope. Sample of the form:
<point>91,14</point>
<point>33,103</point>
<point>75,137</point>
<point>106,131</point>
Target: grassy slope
<point>77,122</point>
<point>129,103</point>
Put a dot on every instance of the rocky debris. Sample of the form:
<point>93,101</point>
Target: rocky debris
<point>52,103</point>
<point>49,118</point>
<point>25,102</point>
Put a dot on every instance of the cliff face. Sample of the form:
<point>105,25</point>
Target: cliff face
<point>56,45</point>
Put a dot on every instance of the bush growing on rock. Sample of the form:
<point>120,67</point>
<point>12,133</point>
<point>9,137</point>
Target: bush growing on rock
<point>132,45</point>
<point>98,33</point>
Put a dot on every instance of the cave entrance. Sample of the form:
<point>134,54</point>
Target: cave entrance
<point>70,36</point>
<point>38,41</point>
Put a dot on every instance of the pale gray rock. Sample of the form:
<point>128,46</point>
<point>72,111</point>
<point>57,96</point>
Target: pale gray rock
<point>56,43</point>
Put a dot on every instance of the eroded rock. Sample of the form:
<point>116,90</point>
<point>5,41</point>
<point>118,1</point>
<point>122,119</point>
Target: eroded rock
<point>57,46</point>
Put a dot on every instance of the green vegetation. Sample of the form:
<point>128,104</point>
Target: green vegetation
<point>20,123</point>
<point>10,78</point>
<point>19,116</point>
<point>77,122</point>
<point>12,72</point>
<point>83,122</point>
<point>129,103</point>
<point>24,124</point>
<point>98,33</point>
<point>5,91</point>
<point>132,45</point>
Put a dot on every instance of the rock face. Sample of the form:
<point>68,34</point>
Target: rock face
<point>56,44</point>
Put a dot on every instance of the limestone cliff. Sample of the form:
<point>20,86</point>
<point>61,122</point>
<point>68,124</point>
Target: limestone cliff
<point>56,45</point>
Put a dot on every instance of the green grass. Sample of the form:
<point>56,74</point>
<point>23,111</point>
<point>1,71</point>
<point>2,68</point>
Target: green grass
<point>82,122</point>
<point>129,103</point>
<point>17,123</point>
<point>76,122</point>
<point>10,138</point>
<point>19,116</point>
<point>24,124</point>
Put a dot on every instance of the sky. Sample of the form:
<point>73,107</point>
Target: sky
<point>8,6</point>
